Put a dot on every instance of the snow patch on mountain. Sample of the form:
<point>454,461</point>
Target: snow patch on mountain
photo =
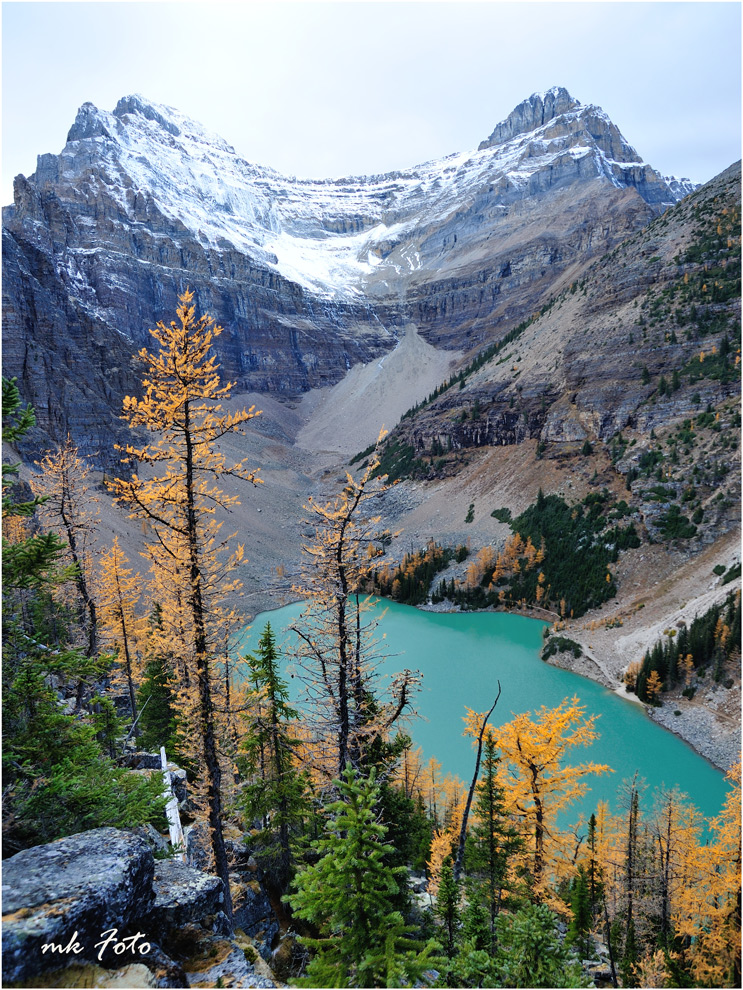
<point>328,236</point>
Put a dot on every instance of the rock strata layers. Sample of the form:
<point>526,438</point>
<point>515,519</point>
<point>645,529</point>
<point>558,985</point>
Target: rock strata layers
<point>308,277</point>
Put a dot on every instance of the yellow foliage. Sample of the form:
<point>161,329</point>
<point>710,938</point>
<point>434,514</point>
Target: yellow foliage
<point>444,844</point>
<point>654,685</point>
<point>687,665</point>
<point>630,675</point>
<point>15,529</point>
<point>707,910</point>
<point>119,594</point>
<point>536,783</point>
<point>652,970</point>
<point>178,497</point>
<point>70,508</point>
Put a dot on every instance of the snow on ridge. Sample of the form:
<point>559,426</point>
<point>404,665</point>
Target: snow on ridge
<point>553,91</point>
<point>328,235</point>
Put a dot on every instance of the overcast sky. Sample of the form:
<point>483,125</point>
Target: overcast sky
<point>329,89</point>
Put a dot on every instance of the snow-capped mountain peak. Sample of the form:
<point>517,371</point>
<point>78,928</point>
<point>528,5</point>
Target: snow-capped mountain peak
<point>336,237</point>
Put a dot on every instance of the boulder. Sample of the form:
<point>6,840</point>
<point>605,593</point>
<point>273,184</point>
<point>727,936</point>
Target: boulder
<point>182,895</point>
<point>68,893</point>
<point>253,914</point>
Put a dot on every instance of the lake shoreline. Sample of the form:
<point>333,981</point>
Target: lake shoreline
<point>696,729</point>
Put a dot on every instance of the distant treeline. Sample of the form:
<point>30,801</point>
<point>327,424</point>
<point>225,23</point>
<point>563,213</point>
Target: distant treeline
<point>710,641</point>
<point>409,582</point>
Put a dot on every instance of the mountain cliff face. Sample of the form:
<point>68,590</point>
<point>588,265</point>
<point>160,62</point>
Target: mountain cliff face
<point>308,277</point>
<point>645,344</point>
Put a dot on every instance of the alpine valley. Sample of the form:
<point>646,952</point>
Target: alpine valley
<point>546,327</point>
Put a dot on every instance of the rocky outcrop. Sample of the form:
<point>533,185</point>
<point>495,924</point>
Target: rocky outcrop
<point>601,355</point>
<point>181,895</point>
<point>68,893</point>
<point>307,277</point>
<point>99,898</point>
<point>532,114</point>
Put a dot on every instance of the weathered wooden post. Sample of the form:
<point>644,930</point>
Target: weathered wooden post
<point>171,810</point>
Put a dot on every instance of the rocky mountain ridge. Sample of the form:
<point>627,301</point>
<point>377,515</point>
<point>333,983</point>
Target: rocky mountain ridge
<point>308,277</point>
<point>589,364</point>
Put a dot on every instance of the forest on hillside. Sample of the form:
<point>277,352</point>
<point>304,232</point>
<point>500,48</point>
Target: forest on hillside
<point>331,796</point>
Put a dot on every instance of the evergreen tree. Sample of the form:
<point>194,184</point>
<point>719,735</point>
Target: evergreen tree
<point>595,885</point>
<point>494,838</point>
<point>409,828</point>
<point>157,719</point>
<point>476,921</point>
<point>447,906</point>
<point>581,921</point>
<point>274,792</point>
<point>29,561</point>
<point>108,725</point>
<point>57,780</point>
<point>531,953</point>
<point>629,956</point>
<point>347,895</point>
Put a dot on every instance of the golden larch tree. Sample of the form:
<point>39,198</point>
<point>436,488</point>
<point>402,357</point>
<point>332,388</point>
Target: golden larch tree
<point>119,595</point>
<point>707,910</point>
<point>71,508</point>
<point>536,782</point>
<point>338,652</point>
<point>178,497</point>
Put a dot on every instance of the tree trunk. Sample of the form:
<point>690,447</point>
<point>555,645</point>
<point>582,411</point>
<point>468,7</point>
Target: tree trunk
<point>463,830</point>
<point>206,708</point>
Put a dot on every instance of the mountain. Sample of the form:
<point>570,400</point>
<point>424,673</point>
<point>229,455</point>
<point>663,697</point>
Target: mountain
<point>589,364</point>
<point>309,278</point>
<point>646,339</point>
<point>546,313</point>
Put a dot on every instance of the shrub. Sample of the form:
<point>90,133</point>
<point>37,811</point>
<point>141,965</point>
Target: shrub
<point>561,644</point>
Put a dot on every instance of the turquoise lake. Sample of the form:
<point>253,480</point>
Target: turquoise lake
<point>463,655</point>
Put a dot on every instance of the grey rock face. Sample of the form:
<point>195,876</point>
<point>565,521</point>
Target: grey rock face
<point>75,891</point>
<point>576,372</point>
<point>182,895</point>
<point>86,883</point>
<point>308,278</point>
<point>535,112</point>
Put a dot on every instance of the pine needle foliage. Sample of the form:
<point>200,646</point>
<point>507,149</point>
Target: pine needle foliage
<point>56,779</point>
<point>348,896</point>
<point>274,788</point>
<point>177,499</point>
